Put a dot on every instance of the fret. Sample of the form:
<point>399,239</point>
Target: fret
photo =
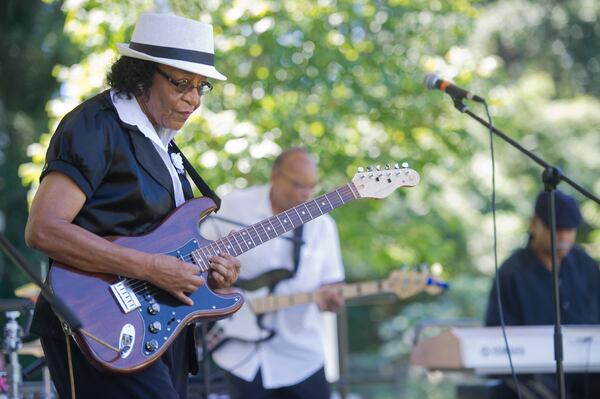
<point>349,193</point>
<point>354,191</point>
<point>199,261</point>
<point>306,206</point>
<point>240,241</point>
<point>262,225</point>
<point>214,248</point>
<point>366,289</point>
<point>230,246</point>
<point>206,252</point>
<point>220,247</point>
<point>281,224</point>
<point>247,239</point>
<point>338,193</point>
<point>258,238</point>
<point>323,205</point>
<point>298,213</point>
<point>285,223</point>
<point>292,217</point>
<point>272,228</point>
<point>313,208</point>
<point>343,193</point>
<point>203,259</point>
<point>236,244</point>
<point>304,213</point>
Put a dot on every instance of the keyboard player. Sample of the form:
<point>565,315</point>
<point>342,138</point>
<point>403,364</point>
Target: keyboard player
<point>525,281</point>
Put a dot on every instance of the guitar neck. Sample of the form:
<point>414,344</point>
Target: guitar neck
<point>254,235</point>
<point>272,303</point>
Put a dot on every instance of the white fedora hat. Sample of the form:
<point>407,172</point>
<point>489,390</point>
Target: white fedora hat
<point>171,40</point>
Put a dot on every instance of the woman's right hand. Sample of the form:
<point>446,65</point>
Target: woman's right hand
<point>174,276</point>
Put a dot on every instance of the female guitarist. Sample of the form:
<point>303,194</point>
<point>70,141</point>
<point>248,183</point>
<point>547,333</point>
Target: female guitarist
<point>112,169</point>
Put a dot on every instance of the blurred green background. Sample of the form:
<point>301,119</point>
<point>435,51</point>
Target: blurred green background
<point>345,80</point>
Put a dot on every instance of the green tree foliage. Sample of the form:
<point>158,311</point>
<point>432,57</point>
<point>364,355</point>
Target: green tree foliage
<point>32,43</point>
<point>345,80</point>
<point>338,78</point>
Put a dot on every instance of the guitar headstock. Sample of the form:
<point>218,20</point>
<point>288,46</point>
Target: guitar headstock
<point>405,284</point>
<point>380,182</point>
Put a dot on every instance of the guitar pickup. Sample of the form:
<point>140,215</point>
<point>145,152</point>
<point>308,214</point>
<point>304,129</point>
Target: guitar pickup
<point>125,296</point>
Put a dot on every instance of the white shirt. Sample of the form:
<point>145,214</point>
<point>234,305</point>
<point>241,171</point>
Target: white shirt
<point>130,112</point>
<point>296,350</point>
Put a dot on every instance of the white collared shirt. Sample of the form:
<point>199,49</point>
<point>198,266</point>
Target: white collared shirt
<point>296,350</point>
<point>130,112</point>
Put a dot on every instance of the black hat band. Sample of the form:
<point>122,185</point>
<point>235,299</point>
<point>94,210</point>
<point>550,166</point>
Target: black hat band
<point>199,57</point>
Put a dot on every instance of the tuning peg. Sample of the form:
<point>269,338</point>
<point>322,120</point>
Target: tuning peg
<point>396,166</point>
<point>369,168</point>
<point>378,168</point>
<point>361,170</point>
<point>387,166</point>
<point>405,164</point>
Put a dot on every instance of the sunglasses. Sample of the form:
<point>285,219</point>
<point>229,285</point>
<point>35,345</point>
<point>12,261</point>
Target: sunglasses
<point>184,86</point>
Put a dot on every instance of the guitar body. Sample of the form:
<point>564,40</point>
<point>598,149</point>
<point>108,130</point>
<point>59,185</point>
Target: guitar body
<point>245,326</point>
<point>143,334</point>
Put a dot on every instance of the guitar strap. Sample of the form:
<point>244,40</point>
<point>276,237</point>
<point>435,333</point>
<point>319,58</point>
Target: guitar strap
<point>297,245</point>
<point>198,181</point>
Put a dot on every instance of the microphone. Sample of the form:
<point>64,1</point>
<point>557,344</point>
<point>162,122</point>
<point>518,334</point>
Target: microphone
<point>435,82</point>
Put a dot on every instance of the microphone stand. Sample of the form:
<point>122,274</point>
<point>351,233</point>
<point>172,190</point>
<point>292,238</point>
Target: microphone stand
<point>551,177</point>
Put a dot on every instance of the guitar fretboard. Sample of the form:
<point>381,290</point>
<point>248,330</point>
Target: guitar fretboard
<point>254,235</point>
<point>273,303</point>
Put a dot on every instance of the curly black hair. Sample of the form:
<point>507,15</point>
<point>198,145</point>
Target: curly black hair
<point>131,76</point>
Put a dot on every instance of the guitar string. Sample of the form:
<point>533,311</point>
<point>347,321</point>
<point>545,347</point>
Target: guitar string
<point>138,286</point>
<point>135,284</point>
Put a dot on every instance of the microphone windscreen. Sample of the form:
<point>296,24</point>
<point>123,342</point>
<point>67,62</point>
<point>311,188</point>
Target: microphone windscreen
<point>430,80</point>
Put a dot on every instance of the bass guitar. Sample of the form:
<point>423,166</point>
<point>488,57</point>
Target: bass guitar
<point>244,325</point>
<point>127,324</point>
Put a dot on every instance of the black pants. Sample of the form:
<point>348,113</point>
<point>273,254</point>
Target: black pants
<point>165,379</point>
<point>314,387</point>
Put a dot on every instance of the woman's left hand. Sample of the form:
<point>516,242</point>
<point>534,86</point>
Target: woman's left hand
<point>225,270</point>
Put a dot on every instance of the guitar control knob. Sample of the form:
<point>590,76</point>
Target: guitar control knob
<point>151,345</point>
<point>154,308</point>
<point>154,327</point>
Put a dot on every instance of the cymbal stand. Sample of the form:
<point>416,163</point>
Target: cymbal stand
<point>12,344</point>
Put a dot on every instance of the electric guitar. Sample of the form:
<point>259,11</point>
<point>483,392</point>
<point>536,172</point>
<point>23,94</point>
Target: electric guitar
<point>127,324</point>
<point>245,326</point>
